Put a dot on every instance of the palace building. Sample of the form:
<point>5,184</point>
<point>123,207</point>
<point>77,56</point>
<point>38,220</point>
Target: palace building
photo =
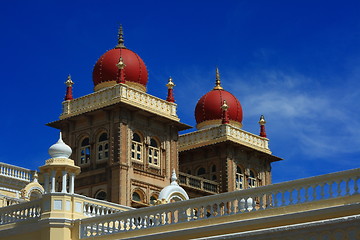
<point>122,170</point>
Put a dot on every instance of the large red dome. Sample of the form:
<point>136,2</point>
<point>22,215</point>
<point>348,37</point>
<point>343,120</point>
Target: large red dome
<point>208,111</point>
<point>106,72</point>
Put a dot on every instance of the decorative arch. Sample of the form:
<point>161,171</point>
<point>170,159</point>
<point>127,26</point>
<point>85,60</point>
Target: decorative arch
<point>102,146</point>
<point>101,195</point>
<point>153,198</point>
<point>154,152</point>
<point>201,171</point>
<point>239,177</point>
<point>138,195</point>
<point>252,179</point>
<point>84,150</point>
<point>137,146</point>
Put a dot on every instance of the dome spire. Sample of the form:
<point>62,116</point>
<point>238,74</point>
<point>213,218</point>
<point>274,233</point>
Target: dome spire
<point>262,123</point>
<point>217,81</point>
<point>225,117</point>
<point>120,38</point>
<point>121,65</point>
<point>69,83</point>
<point>170,85</point>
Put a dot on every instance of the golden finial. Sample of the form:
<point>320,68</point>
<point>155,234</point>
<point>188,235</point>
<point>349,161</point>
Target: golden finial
<point>69,82</point>
<point>224,107</point>
<point>121,64</point>
<point>262,120</point>
<point>170,83</point>
<point>120,38</point>
<point>217,81</point>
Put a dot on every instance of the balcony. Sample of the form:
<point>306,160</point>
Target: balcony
<point>120,93</point>
<point>223,133</point>
<point>198,183</point>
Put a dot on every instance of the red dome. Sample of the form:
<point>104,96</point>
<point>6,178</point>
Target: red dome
<point>208,109</point>
<point>106,70</point>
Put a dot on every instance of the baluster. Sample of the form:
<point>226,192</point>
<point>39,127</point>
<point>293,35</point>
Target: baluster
<point>347,187</point>
<point>356,187</point>
<point>283,198</point>
<point>314,192</point>
<point>338,188</point>
<point>291,198</point>
<point>306,188</point>
<point>275,199</point>
<point>331,189</point>
<point>322,190</point>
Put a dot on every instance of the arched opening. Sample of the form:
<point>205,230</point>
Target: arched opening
<point>101,195</point>
<point>239,178</point>
<point>154,157</point>
<point>136,147</point>
<point>85,151</point>
<point>103,147</point>
<point>252,179</point>
<point>136,197</point>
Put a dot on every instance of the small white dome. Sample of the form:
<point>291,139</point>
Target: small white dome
<point>173,191</point>
<point>60,149</point>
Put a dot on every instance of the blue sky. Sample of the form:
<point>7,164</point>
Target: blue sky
<point>296,62</point>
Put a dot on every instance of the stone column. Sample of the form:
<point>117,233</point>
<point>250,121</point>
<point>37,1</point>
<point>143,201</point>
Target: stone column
<point>53,173</point>
<point>46,182</point>
<point>71,187</point>
<point>64,179</point>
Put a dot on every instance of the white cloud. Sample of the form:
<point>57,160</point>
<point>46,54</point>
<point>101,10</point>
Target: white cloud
<point>316,118</point>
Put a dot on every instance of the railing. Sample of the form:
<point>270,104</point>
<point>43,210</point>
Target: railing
<point>20,212</point>
<point>191,181</point>
<point>11,171</point>
<point>223,133</point>
<point>8,201</point>
<point>116,94</point>
<point>82,206</point>
<point>94,207</point>
<point>302,191</point>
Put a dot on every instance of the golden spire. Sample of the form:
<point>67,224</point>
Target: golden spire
<point>170,83</point>
<point>69,82</point>
<point>121,65</point>
<point>225,107</point>
<point>120,38</point>
<point>217,81</point>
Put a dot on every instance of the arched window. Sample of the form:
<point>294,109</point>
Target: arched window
<point>136,147</point>
<point>201,171</point>
<point>136,197</point>
<point>239,178</point>
<point>101,195</point>
<point>85,151</point>
<point>153,199</point>
<point>103,147</point>
<point>213,168</point>
<point>154,158</point>
<point>252,179</point>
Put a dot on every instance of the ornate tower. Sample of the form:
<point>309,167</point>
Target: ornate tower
<point>220,156</point>
<point>124,139</point>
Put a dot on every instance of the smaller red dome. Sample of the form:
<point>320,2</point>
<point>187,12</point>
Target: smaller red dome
<point>106,69</point>
<point>208,110</point>
<point>107,73</point>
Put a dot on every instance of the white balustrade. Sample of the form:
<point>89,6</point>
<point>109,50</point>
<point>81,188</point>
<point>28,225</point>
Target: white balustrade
<point>222,133</point>
<point>116,94</point>
<point>11,171</point>
<point>92,209</point>
<point>302,191</point>
<point>20,212</point>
